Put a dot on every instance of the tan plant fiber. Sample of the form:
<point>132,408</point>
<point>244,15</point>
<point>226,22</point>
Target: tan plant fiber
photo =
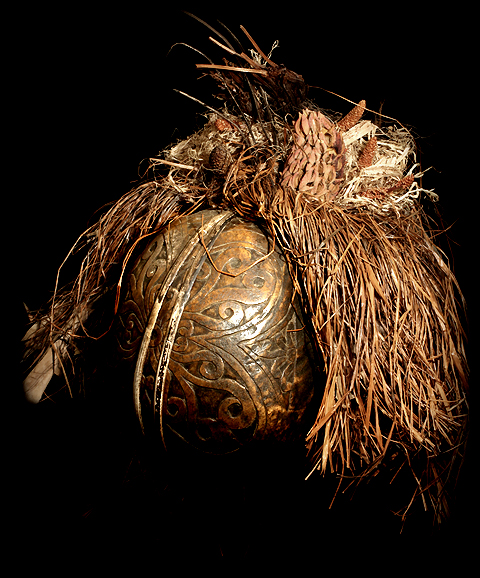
<point>386,313</point>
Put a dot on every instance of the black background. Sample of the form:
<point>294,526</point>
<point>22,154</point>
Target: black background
<point>92,97</point>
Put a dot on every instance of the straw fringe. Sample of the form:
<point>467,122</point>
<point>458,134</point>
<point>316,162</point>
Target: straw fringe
<point>386,312</point>
<point>55,332</point>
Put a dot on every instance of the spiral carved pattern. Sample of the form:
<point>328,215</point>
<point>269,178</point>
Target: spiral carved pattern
<point>238,368</point>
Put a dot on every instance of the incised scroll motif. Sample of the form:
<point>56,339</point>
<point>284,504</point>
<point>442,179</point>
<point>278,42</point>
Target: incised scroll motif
<point>238,367</point>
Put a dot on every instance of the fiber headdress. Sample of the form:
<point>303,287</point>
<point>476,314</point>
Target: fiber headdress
<point>341,197</point>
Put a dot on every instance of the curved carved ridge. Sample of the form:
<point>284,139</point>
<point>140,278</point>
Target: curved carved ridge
<point>223,359</point>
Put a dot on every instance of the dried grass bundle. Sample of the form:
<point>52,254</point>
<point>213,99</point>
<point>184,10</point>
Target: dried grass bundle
<point>387,313</point>
<point>343,202</point>
<point>55,337</point>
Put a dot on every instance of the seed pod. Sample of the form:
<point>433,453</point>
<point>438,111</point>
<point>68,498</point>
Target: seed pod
<point>317,160</point>
<point>221,124</point>
<point>402,184</point>
<point>352,117</point>
<point>219,158</point>
<point>368,154</point>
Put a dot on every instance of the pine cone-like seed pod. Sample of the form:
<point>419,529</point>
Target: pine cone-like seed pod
<point>219,158</point>
<point>352,117</point>
<point>402,184</point>
<point>317,160</point>
<point>221,124</point>
<point>368,154</point>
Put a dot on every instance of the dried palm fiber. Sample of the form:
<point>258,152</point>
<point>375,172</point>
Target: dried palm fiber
<point>343,201</point>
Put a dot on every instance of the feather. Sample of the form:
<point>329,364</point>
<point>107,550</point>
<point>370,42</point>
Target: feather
<point>51,357</point>
<point>36,382</point>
